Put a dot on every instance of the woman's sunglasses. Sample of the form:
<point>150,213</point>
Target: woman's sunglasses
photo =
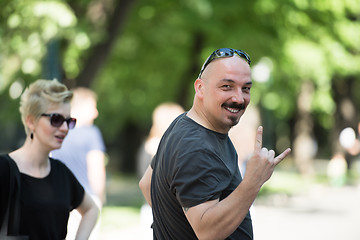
<point>225,52</point>
<point>56,120</point>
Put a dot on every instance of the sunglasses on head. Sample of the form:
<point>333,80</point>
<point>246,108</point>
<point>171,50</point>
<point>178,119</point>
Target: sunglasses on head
<point>56,120</point>
<point>225,52</point>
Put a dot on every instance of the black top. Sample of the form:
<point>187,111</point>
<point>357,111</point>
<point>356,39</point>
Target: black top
<point>192,165</point>
<point>45,202</point>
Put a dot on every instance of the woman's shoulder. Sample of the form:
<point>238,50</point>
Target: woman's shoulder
<point>59,170</point>
<point>4,157</point>
<point>56,163</point>
<point>4,162</point>
<point>4,169</point>
<point>58,166</point>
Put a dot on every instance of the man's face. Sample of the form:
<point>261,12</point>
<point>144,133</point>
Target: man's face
<point>226,84</point>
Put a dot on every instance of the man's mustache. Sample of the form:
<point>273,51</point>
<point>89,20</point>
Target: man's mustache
<point>234,105</point>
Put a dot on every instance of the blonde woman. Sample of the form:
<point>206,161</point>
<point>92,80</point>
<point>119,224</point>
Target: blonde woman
<point>49,191</point>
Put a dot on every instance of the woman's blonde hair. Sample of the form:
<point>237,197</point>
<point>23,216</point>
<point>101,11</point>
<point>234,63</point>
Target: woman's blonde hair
<point>39,95</point>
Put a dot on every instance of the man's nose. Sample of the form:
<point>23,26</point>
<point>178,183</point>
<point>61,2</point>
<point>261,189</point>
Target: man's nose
<point>238,97</point>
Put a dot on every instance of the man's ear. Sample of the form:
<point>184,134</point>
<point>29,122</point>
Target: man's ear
<point>199,88</point>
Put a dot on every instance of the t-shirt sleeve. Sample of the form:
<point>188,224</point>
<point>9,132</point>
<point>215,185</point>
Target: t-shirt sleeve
<point>95,140</point>
<point>77,191</point>
<point>199,177</point>
<point>152,162</point>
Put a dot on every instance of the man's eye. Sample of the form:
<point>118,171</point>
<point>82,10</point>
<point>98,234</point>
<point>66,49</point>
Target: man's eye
<point>247,89</point>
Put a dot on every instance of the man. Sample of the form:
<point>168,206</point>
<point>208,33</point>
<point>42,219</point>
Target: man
<point>194,184</point>
<point>84,152</point>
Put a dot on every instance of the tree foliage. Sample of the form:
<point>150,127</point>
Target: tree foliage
<point>137,54</point>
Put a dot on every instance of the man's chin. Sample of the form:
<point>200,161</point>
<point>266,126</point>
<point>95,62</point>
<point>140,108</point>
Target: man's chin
<point>234,121</point>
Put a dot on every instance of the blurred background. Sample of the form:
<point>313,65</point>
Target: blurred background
<point>138,54</point>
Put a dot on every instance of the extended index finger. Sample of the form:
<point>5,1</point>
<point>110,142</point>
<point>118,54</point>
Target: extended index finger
<point>258,139</point>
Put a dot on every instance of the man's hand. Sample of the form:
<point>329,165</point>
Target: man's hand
<point>261,164</point>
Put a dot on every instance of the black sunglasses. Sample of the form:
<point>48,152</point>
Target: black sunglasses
<point>225,52</point>
<point>56,120</point>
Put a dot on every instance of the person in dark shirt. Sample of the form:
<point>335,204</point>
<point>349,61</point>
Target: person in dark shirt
<point>193,182</point>
<point>49,190</point>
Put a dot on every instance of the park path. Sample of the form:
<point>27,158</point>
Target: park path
<point>324,213</point>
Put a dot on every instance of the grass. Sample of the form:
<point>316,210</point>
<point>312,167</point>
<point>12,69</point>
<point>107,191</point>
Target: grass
<point>119,217</point>
<point>122,210</point>
<point>123,190</point>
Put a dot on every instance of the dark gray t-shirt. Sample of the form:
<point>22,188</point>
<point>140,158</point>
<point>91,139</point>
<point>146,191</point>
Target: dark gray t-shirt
<point>192,165</point>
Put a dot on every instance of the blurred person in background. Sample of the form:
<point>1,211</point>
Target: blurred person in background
<point>345,157</point>
<point>83,151</point>
<point>48,189</point>
<point>162,117</point>
<point>243,135</point>
<point>193,184</point>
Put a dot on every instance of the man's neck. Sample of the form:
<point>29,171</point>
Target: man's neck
<point>201,119</point>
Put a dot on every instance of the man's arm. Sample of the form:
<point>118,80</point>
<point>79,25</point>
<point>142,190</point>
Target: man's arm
<point>145,184</point>
<point>97,173</point>
<point>218,219</point>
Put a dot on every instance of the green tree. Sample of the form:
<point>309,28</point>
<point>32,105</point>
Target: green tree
<point>137,54</point>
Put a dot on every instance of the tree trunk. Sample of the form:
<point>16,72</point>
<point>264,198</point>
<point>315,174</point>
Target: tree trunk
<point>304,144</point>
<point>100,52</point>
<point>189,76</point>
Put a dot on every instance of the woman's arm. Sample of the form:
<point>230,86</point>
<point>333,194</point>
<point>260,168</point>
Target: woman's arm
<point>89,212</point>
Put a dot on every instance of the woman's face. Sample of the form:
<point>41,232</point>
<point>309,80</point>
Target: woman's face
<point>48,136</point>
